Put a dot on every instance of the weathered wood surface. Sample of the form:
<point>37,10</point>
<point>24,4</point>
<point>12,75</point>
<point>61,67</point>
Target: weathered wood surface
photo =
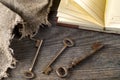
<point>104,65</point>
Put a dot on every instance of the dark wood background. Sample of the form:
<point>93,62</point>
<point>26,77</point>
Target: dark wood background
<point>104,65</point>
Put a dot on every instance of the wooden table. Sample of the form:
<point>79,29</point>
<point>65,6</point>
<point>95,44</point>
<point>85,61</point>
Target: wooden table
<point>104,65</point>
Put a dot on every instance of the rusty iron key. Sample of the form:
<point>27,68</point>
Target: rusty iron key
<point>63,71</point>
<point>67,43</point>
<point>30,74</point>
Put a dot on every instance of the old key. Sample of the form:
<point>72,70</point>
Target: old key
<point>63,71</point>
<point>29,74</point>
<point>67,43</point>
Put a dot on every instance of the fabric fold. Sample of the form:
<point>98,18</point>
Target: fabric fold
<point>34,14</point>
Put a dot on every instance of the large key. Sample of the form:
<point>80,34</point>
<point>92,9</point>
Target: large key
<point>29,74</point>
<point>63,71</point>
<point>67,43</point>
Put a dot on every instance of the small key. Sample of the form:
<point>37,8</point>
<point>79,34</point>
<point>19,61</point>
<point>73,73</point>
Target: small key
<point>63,71</point>
<point>67,43</point>
<point>29,74</point>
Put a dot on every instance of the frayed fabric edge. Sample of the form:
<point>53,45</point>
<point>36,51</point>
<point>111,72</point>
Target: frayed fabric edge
<point>8,21</point>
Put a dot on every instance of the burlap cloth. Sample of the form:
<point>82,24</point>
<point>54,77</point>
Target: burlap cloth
<point>30,14</point>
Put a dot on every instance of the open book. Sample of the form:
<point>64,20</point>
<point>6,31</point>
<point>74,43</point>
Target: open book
<point>98,15</point>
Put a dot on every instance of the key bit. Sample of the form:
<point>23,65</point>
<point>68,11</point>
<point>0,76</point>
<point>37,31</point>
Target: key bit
<point>47,70</point>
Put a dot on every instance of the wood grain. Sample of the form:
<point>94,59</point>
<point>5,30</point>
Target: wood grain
<point>105,65</point>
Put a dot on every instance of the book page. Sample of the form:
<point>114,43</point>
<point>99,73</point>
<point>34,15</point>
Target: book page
<point>69,7</point>
<point>95,8</point>
<point>72,20</point>
<point>112,15</point>
<point>82,24</point>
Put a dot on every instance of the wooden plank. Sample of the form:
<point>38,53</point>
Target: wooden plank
<point>104,65</point>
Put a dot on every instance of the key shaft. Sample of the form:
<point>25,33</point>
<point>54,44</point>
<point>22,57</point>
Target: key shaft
<point>36,54</point>
<point>58,54</point>
<point>95,47</point>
